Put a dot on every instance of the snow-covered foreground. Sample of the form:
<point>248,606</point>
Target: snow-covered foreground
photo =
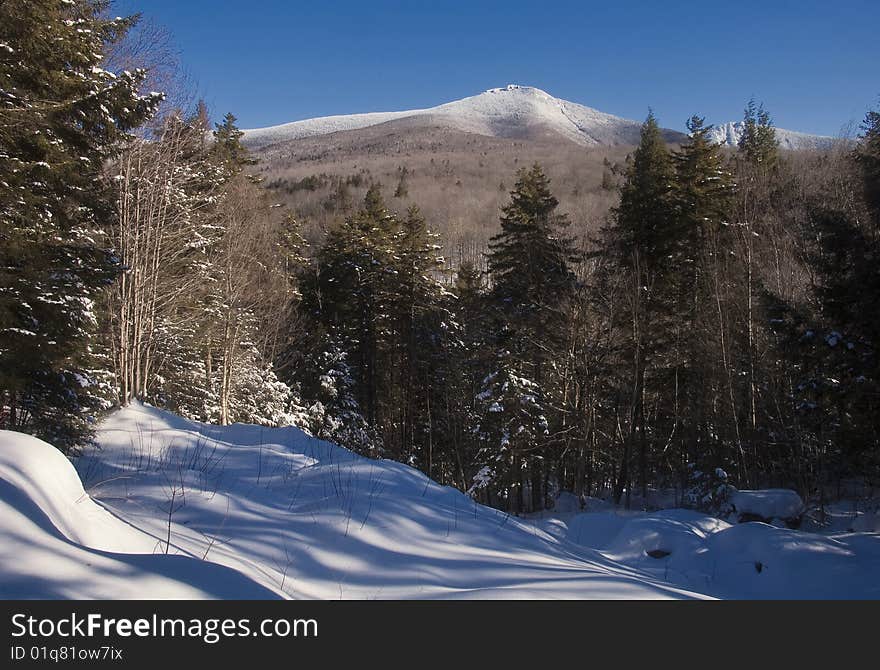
<point>177,509</point>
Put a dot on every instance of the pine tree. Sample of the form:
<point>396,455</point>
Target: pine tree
<point>61,117</point>
<point>512,427</point>
<point>708,371</point>
<point>334,413</point>
<point>346,292</point>
<point>460,373</point>
<point>758,167</point>
<point>413,295</point>
<point>402,190</point>
<point>644,244</point>
<point>529,265</point>
<point>228,147</point>
<point>758,140</point>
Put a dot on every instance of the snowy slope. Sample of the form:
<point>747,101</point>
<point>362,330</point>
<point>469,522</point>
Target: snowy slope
<point>749,560</point>
<point>512,111</point>
<point>516,111</point>
<point>730,133</point>
<point>308,519</point>
<point>186,510</point>
<point>55,542</point>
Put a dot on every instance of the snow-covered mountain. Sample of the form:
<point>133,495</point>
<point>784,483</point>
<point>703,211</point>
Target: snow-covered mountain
<point>512,111</point>
<point>731,132</point>
<point>515,111</point>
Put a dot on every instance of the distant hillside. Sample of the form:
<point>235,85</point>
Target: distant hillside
<point>730,133</point>
<point>521,112</point>
<point>458,160</point>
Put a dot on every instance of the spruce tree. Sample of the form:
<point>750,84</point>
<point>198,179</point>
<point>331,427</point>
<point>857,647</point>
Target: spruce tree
<point>346,291</point>
<point>758,140</point>
<point>413,295</point>
<point>513,427</point>
<point>228,147</point>
<point>642,249</point>
<point>529,266</point>
<point>708,371</point>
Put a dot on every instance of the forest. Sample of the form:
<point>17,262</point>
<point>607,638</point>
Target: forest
<point>722,326</point>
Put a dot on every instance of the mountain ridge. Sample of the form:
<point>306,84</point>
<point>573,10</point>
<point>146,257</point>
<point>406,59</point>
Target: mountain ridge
<point>514,111</point>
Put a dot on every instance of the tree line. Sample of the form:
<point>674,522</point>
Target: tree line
<point>722,324</point>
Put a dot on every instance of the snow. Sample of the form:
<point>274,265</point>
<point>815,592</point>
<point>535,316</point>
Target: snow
<point>866,523</point>
<point>173,508</point>
<point>56,542</point>
<point>744,561</point>
<point>730,133</point>
<point>513,111</point>
<point>498,112</point>
<point>768,503</point>
<point>309,519</point>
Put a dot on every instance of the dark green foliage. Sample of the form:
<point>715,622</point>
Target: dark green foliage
<point>61,117</point>
<point>868,159</point>
<point>528,263</point>
<point>758,141</point>
<point>228,148</point>
<point>374,289</point>
<point>402,190</point>
<point>532,283</point>
<point>645,239</point>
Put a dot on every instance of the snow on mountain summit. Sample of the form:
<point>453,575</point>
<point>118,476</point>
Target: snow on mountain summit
<point>730,133</point>
<point>511,111</point>
<point>519,112</point>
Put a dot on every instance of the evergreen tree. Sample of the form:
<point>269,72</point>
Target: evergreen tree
<point>708,371</point>
<point>414,296</point>
<point>512,427</point>
<point>347,292</point>
<point>461,371</point>
<point>529,265</point>
<point>228,147</point>
<point>334,414</point>
<point>402,190</point>
<point>758,140</point>
<point>704,187</point>
<point>644,244</point>
<point>61,117</point>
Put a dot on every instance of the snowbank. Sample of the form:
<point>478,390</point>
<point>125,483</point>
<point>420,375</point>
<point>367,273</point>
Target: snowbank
<point>55,542</point>
<point>179,509</point>
<point>310,519</point>
<point>749,560</point>
<point>768,503</point>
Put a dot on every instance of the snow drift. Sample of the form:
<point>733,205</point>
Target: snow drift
<point>179,509</point>
<point>308,519</point>
<point>57,543</point>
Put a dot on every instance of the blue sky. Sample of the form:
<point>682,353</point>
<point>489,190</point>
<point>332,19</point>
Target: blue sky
<point>813,64</point>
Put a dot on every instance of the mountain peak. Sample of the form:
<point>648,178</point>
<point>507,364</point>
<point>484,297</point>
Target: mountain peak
<point>514,111</point>
<point>517,87</point>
